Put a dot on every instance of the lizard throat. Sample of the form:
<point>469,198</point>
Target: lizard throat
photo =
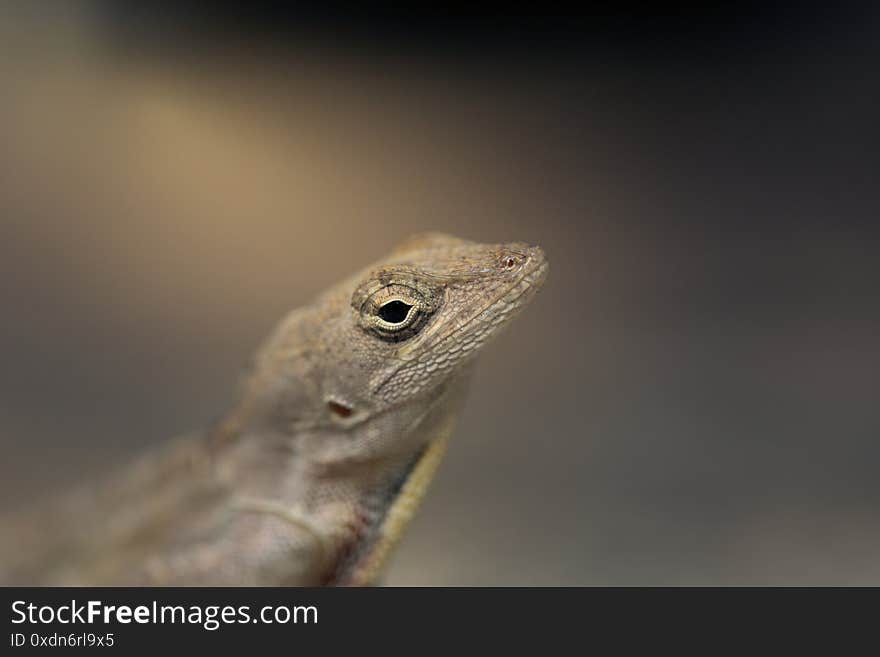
<point>368,553</point>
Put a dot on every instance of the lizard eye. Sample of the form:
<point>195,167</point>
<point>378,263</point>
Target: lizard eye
<point>395,311</point>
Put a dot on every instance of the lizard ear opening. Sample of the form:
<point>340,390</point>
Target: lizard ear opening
<point>340,410</point>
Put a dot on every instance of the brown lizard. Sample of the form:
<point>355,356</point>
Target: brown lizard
<point>311,478</point>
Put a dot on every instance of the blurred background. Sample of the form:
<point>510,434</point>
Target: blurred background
<point>693,398</point>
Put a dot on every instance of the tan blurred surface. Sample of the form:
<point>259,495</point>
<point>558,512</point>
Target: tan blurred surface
<point>692,398</point>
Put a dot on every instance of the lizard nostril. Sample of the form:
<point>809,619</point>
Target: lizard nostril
<point>511,261</point>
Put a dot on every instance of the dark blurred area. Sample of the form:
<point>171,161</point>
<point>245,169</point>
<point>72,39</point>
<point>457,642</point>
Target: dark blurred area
<point>693,398</point>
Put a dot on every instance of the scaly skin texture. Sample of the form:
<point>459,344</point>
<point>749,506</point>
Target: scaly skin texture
<point>312,477</point>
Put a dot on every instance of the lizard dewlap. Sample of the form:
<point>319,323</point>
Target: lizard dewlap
<point>313,475</point>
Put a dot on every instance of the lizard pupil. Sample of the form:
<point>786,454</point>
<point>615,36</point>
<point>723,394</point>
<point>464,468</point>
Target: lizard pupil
<point>394,312</point>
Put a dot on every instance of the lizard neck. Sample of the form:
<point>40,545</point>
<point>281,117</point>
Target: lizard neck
<point>364,561</point>
<point>383,514</point>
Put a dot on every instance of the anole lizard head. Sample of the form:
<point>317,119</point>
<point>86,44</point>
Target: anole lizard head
<point>397,331</point>
<point>367,381</point>
<point>433,305</point>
